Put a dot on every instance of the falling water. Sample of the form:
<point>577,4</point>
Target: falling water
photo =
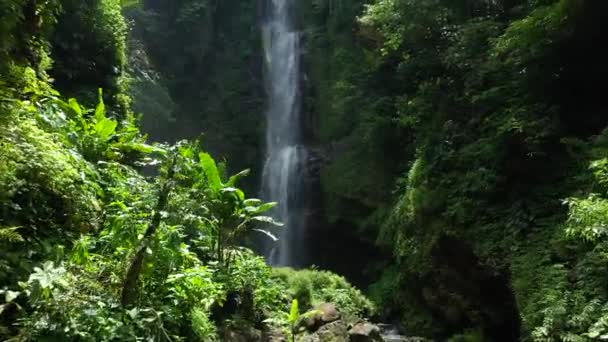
<point>282,178</point>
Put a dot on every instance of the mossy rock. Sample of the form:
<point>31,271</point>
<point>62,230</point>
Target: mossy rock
<point>333,332</point>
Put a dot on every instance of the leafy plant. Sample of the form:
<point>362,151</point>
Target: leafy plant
<point>98,137</point>
<point>233,214</point>
<point>312,287</point>
<point>291,319</point>
<point>10,234</point>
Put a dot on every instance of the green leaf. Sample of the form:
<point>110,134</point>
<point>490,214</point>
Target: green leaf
<point>100,110</point>
<point>294,313</point>
<point>9,296</point>
<point>267,219</point>
<point>10,234</point>
<point>211,171</point>
<point>267,233</point>
<point>187,152</point>
<point>252,202</point>
<point>238,192</point>
<point>75,106</point>
<point>140,147</point>
<point>106,128</point>
<point>261,208</point>
<point>234,179</point>
<point>133,313</point>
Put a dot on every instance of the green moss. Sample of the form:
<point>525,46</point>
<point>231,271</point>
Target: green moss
<point>313,287</point>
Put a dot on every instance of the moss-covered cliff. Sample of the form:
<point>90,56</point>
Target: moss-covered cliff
<point>495,110</point>
<point>208,58</point>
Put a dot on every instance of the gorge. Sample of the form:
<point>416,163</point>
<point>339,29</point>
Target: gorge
<point>438,165</point>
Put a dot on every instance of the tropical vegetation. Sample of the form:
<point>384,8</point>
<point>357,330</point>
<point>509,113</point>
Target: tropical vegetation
<point>460,165</point>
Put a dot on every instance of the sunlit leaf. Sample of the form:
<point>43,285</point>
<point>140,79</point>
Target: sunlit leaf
<point>235,179</point>
<point>252,202</point>
<point>211,171</point>
<point>267,233</point>
<point>75,106</point>
<point>294,312</point>
<point>106,128</point>
<point>100,110</point>
<point>10,234</point>
<point>267,219</point>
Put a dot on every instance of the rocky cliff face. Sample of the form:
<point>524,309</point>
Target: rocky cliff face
<point>208,55</point>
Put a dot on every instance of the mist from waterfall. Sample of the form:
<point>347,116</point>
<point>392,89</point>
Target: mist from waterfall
<point>282,178</point>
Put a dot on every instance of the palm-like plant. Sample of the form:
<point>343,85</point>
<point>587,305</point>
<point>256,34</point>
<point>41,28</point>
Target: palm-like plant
<point>233,214</point>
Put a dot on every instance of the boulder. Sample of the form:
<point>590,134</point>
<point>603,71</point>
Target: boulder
<point>242,334</point>
<point>326,313</point>
<point>365,332</point>
<point>274,335</point>
<point>336,331</point>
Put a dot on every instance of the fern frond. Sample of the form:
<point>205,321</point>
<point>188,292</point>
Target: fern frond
<point>10,234</point>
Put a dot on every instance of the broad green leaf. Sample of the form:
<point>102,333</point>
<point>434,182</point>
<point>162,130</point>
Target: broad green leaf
<point>234,179</point>
<point>75,106</point>
<point>106,128</point>
<point>261,208</point>
<point>252,202</point>
<point>238,192</point>
<point>211,171</point>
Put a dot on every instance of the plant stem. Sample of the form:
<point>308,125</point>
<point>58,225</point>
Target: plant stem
<point>129,289</point>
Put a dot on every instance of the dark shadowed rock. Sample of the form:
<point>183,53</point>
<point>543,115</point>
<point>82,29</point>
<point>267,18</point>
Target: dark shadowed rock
<point>242,334</point>
<point>274,335</point>
<point>336,331</point>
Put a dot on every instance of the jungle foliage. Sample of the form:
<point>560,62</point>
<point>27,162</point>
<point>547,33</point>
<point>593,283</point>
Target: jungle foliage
<point>491,198</point>
<point>103,235</point>
<point>208,58</point>
<point>464,141</point>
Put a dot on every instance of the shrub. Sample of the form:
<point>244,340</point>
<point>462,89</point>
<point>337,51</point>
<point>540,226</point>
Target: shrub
<point>312,287</point>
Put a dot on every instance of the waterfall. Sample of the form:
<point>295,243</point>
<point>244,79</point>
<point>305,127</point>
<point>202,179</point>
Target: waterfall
<point>283,176</point>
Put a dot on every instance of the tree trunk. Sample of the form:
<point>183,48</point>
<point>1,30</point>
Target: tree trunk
<point>129,289</point>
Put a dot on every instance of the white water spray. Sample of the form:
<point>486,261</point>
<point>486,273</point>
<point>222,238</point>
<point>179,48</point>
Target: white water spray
<point>282,178</point>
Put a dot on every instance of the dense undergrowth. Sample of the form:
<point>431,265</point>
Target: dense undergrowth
<point>77,213</point>
<point>491,115</point>
<point>103,236</point>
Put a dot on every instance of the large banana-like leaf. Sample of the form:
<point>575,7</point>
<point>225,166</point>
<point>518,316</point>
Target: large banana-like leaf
<point>211,171</point>
<point>106,128</point>
<point>234,179</point>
